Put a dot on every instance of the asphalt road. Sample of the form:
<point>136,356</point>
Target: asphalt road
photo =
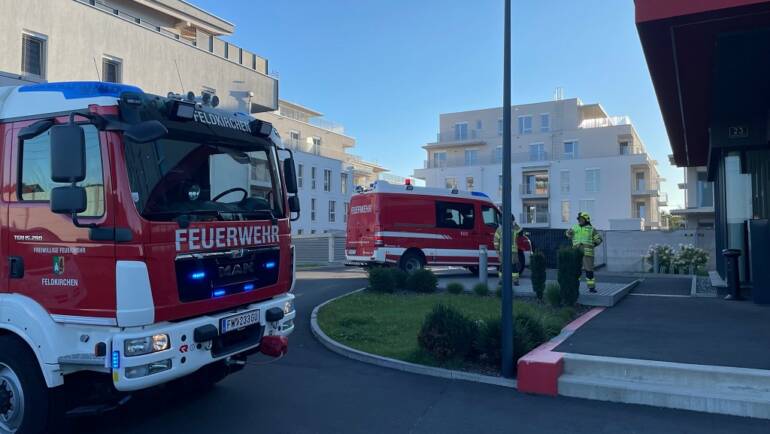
<point>313,390</point>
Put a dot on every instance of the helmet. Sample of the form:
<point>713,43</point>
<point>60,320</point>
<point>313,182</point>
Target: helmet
<point>585,215</point>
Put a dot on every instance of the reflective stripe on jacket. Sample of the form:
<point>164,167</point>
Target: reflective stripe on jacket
<point>585,236</point>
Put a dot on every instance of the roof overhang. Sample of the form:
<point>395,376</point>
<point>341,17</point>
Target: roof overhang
<point>679,41</point>
<point>187,12</point>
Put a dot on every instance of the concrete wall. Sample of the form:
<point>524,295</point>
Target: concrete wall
<point>624,249</point>
<point>79,35</point>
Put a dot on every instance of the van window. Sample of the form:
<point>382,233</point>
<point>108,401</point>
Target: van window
<point>453,215</point>
<point>491,216</point>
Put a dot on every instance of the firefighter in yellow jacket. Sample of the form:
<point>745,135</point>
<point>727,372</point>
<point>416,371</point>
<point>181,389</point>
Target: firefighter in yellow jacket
<point>585,237</point>
<point>514,251</point>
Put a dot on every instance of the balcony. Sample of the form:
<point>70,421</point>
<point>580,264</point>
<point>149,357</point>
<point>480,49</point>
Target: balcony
<point>663,199</point>
<point>611,121</point>
<point>537,188</point>
<point>201,40</point>
<point>484,159</point>
<point>538,219</point>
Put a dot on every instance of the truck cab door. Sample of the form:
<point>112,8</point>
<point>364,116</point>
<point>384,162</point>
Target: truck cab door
<point>51,260</point>
<point>490,220</point>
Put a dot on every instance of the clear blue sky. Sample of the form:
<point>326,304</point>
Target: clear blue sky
<point>387,69</point>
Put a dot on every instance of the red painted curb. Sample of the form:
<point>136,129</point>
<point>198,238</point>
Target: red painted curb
<point>539,370</point>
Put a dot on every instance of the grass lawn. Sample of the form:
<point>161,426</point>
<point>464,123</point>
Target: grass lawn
<point>388,324</point>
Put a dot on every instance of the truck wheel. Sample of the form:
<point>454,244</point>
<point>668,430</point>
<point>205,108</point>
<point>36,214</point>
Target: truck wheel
<point>26,403</point>
<point>411,262</point>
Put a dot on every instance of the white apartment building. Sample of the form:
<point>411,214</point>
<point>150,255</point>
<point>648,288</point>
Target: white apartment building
<point>159,45</point>
<point>698,211</point>
<point>567,157</point>
<point>326,173</point>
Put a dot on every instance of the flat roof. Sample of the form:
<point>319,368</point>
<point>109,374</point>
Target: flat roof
<point>679,39</point>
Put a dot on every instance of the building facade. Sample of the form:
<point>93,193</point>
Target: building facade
<point>326,173</point>
<point>161,46</point>
<point>698,211</point>
<point>566,157</point>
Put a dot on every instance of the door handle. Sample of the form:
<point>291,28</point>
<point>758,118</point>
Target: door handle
<point>16,266</point>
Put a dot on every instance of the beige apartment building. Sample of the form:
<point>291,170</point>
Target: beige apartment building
<point>567,157</point>
<point>327,173</point>
<point>698,211</point>
<point>159,45</point>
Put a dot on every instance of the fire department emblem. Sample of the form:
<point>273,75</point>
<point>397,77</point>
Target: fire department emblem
<point>58,265</point>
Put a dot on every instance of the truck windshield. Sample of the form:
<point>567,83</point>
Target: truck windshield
<point>204,181</point>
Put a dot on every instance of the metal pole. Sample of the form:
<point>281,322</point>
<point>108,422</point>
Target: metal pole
<point>507,302</point>
<point>483,265</point>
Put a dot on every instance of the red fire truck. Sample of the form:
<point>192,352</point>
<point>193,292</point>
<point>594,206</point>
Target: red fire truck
<point>413,227</point>
<point>144,239</point>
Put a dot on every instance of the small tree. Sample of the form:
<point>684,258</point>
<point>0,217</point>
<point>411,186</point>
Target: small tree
<point>570,268</point>
<point>446,333</point>
<point>538,273</point>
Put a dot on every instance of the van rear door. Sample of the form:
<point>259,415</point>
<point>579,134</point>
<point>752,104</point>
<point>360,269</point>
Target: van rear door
<point>361,227</point>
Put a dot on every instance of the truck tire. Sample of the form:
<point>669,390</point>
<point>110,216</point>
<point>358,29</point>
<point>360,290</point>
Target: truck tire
<point>411,262</point>
<point>26,403</point>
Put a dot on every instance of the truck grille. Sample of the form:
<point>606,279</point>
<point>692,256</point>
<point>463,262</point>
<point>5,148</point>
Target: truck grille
<point>201,276</point>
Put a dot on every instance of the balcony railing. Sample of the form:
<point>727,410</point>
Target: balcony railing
<point>611,121</point>
<point>663,199</point>
<point>484,159</point>
<point>527,190</point>
<point>539,218</point>
<point>647,188</point>
<point>246,59</point>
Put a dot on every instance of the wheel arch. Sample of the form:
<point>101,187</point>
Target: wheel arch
<point>414,250</point>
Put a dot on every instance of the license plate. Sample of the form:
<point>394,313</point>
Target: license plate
<point>235,322</point>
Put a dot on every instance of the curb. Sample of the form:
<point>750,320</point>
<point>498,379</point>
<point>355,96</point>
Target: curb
<point>389,363</point>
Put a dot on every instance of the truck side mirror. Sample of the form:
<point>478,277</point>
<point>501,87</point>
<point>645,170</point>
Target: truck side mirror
<point>294,204</point>
<point>291,177</point>
<point>68,200</point>
<point>68,153</point>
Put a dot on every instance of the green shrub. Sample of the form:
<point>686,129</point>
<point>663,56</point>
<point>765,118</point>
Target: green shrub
<point>422,281</point>
<point>553,294</point>
<point>570,269</point>
<point>481,289</point>
<point>552,325</point>
<point>537,264</point>
<point>399,277</point>
<point>447,334</point>
<point>528,334</point>
<point>381,280</point>
<point>455,288</point>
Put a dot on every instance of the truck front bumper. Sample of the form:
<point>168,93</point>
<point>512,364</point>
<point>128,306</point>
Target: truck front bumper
<point>195,343</point>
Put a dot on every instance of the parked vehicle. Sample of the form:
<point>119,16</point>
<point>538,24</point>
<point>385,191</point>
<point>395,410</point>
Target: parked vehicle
<point>147,239</point>
<point>414,227</point>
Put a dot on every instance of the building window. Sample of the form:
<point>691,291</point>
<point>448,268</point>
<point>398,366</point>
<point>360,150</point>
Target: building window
<point>312,177</point>
<point>332,211</point>
<point>498,154</point>
<point>587,205</point>
<point>525,125</point>
<point>641,184</point>
<point>345,216</point>
<point>565,211</point>
<point>537,152</point>
<point>35,172</point>
<point>545,122</point>
<point>500,182</point>
<point>535,183</point>
<point>112,70</point>
<point>705,191</point>
<point>535,213</point>
<point>461,131</point>
<point>300,171</point>
<point>299,231</point>
<point>625,148</point>
<point>469,183</point>
<point>316,145</point>
<point>439,159</point>
<point>211,44</point>
<point>453,215</point>
<point>312,209</point>
<point>344,183</point>
<point>227,50</point>
<point>570,150</point>
<point>33,55</point>
<point>294,138</point>
<point>564,176</point>
<point>471,157</point>
<point>479,125</point>
<point>240,56</point>
<point>592,180</point>
<point>327,180</point>
<point>499,127</point>
<point>254,62</point>
<point>450,183</point>
<point>641,210</point>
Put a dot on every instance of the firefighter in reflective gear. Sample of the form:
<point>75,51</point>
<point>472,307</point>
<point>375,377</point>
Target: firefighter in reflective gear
<point>585,237</point>
<point>515,229</point>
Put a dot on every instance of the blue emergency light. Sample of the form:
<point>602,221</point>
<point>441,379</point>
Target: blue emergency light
<point>83,89</point>
<point>219,293</point>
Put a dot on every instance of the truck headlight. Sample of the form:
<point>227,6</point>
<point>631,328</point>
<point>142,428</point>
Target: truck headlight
<point>146,345</point>
<point>288,307</point>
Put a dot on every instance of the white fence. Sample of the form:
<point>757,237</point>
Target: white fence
<point>625,249</point>
<point>320,248</point>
